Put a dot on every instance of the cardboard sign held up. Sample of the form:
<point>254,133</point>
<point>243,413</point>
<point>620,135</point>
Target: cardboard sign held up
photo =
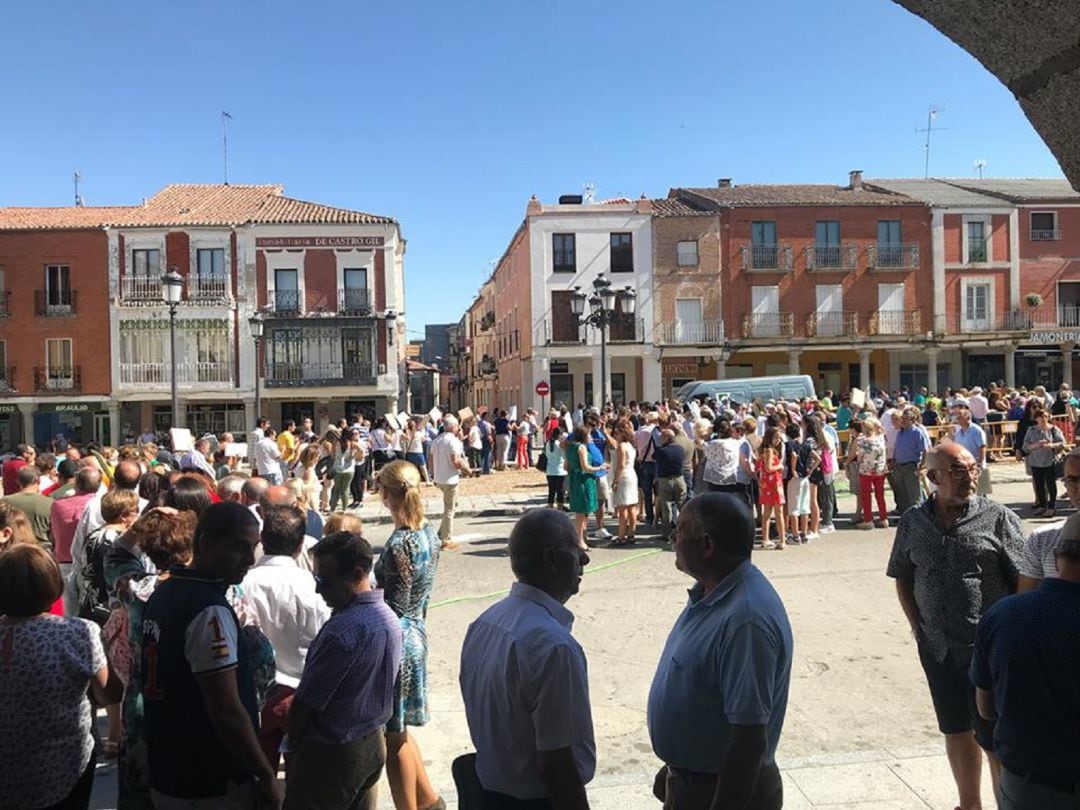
<point>236,450</point>
<point>512,415</point>
<point>403,418</point>
<point>393,420</point>
<point>464,413</point>
<point>435,414</point>
<point>181,440</point>
<point>858,398</point>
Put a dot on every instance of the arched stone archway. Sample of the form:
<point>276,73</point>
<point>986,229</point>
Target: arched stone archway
<point>1033,47</point>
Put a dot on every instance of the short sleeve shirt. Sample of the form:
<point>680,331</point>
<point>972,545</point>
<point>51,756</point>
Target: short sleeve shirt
<point>1038,561</point>
<point>444,450</point>
<point>957,572</point>
<point>45,742</point>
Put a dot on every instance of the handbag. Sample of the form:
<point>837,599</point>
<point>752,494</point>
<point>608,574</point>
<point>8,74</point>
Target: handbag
<point>541,462</point>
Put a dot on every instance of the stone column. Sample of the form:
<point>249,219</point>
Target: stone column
<point>1010,367</point>
<point>1066,363</point>
<point>932,369</point>
<point>864,369</point>
<point>181,415</point>
<point>249,415</point>
<point>794,358</point>
<point>27,411</point>
<point>114,423</point>
<point>652,384</point>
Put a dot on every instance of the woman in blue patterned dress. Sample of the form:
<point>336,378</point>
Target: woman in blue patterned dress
<point>406,573</point>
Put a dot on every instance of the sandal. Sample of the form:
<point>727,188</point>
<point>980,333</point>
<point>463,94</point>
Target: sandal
<point>768,545</point>
<point>618,541</point>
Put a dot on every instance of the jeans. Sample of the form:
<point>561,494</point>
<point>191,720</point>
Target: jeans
<point>1045,486</point>
<point>687,790</point>
<point>446,528</point>
<point>875,485</point>
<point>476,458</point>
<point>826,499</point>
<point>670,494</point>
<point>340,492</point>
<point>274,477</point>
<point>646,481</point>
<point>556,489</point>
<point>486,452</point>
<point>905,484</point>
<point>417,460</point>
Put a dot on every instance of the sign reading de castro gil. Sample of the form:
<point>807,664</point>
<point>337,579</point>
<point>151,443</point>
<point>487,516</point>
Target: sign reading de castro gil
<point>542,388</point>
<point>319,241</point>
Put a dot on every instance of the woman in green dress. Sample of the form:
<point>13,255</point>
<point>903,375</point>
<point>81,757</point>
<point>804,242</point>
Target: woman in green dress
<point>582,481</point>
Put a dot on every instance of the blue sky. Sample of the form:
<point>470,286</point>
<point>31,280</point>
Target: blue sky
<point>449,115</point>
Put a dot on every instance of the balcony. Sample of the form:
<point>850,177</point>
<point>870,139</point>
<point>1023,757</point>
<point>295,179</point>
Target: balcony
<point>976,253</point>
<point>7,379</point>
<point>5,303</point>
<point>160,373</point>
<point>966,324</point>
<point>140,288</point>
<point>50,379</point>
<point>895,322</point>
<point>832,324</point>
<point>831,258</point>
<point>487,367</point>
<point>284,303</point>
<point>57,303</point>
<point>565,332</point>
<point>299,374</point>
<point>893,257</point>
<point>768,325</point>
<point>766,258</point>
<point>354,301</point>
<point>1045,236</point>
<point>702,333</point>
<point>625,329</point>
<point>208,288</point>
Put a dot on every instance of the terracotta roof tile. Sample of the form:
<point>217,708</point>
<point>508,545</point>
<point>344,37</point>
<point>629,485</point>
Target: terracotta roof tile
<point>669,207</point>
<point>801,194</point>
<point>186,205</point>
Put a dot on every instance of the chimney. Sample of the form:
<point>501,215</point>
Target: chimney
<point>723,182</point>
<point>644,205</point>
<point>855,179</point>
<point>534,208</point>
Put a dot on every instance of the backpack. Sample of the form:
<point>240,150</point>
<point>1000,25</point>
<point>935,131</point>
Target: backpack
<point>802,453</point>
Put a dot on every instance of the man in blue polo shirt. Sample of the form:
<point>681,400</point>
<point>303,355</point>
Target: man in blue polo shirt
<point>912,442</point>
<point>717,703</point>
<point>1025,674</point>
<point>196,672</point>
<point>973,438</point>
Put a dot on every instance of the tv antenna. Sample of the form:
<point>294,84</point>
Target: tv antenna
<point>980,164</point>
<point>590,194</point>
<point>931,116</point>
<point>76,178</point>
<point>225,119</point>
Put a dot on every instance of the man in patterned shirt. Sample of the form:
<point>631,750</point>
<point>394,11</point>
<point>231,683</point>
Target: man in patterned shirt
<point>953,557</point>
<point>335,742</point>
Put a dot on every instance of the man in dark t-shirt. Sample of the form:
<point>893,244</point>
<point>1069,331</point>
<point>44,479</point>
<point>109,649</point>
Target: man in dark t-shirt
<point>198,691</point>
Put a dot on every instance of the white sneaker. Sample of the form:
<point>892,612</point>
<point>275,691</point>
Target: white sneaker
<point>811,536</point>
<point>602,534</point>
<point>827,529</point>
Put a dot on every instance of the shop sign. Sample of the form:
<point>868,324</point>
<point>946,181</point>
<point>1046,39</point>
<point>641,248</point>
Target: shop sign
<point>320,241</point>
<point>680,367</point>
<point>71,407</point>
<point>1059,336</point>
<point>9,409</point>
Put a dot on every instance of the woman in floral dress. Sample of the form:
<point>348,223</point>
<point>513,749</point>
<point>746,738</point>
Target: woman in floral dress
<point>406,573</point>
<point>770,469</point>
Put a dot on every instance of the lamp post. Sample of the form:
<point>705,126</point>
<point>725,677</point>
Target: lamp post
<point>604,304</point>
<point>391,328</point>
<point>256,324</point>
<point>172,290</point>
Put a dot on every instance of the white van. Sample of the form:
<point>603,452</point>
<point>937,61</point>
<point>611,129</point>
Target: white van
<point>749,389</point>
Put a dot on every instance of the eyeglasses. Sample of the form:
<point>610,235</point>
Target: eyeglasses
<point>962,473</point>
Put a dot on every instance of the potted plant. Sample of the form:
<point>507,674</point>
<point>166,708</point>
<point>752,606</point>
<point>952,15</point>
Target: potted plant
<point>1033,300</point>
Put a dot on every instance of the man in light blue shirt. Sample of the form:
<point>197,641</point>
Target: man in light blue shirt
<point>718,699</point>
<point>969,434</point>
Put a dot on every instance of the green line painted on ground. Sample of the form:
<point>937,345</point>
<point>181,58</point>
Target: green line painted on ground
<point>589,570</point>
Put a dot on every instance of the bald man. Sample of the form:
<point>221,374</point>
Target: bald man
<point>953,557</point>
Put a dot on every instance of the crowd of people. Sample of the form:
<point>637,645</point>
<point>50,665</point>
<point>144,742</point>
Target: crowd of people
<point>229,622</point>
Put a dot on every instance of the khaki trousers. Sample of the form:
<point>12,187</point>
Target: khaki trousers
<point>449,499</point>
<point>335,777</point>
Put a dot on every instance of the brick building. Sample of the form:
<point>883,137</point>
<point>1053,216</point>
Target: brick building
<point>328,280</point>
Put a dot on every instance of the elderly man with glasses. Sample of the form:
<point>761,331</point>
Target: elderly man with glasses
<point>953,557</point>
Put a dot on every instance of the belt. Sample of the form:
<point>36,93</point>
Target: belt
<point>706,777</point>
<point>906,463</point>
<point>1058,783</point>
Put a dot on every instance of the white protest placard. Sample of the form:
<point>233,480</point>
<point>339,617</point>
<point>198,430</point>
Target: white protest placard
<point>392,419</point>
<point>403,418</point>
<point>181,439</point>
<point>434,414</point>
<point>512,415</point>
<point>236,450</point>
<point>464,413</point>
<point>858,398</point>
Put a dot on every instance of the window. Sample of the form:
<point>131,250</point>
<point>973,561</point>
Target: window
<point>622,253</point>
<point>58,358</point>
<point>286,353</point>
<point>210,261</point>
<point>688,320</point>
<point>356,297</point>
<point>5,379</point>
<point>977,303</point>
<point>891,315</point>
<point>1044,226</point>
<point>765,315</point>
<point>890,247</point>
<point>286,290</point>
<point>763,250</point>
<point>58,286</point>
<point>827,243</point>
<point>146,263</point>
<point>564,252</point>
<point>976,241</point>
<point>687,254</point>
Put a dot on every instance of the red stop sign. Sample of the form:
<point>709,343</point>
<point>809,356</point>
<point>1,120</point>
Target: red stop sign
<point>542,389</point>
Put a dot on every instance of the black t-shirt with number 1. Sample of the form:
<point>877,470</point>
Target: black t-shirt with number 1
<point>189,629</point>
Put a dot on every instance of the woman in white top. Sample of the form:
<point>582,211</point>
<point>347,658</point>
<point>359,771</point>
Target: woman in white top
<point>414,448</point>
<point>474,446</point>
<point>555,452</point>
<point>346,455</point>
<point>625,483</point>
<point>722,459</point>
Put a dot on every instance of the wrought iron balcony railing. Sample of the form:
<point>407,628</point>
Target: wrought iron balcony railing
<point>354,301</point>
<point>828,258</point>
<point>701,333</point>
<point>285,302</point>
<point>301,374</point>
<point>895,322</point>
<point>775,258</point>
<point>768,324</point>
<point>54,303</point>
<point>208,288</point>
<point>897,256</point>
<point>832,324</point>
<point>1045,236</point>
<point>57,378</point>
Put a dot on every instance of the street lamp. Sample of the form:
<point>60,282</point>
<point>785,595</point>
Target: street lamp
<point>256,324</point>
<point>604,304</point>
<point>172,291</point>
